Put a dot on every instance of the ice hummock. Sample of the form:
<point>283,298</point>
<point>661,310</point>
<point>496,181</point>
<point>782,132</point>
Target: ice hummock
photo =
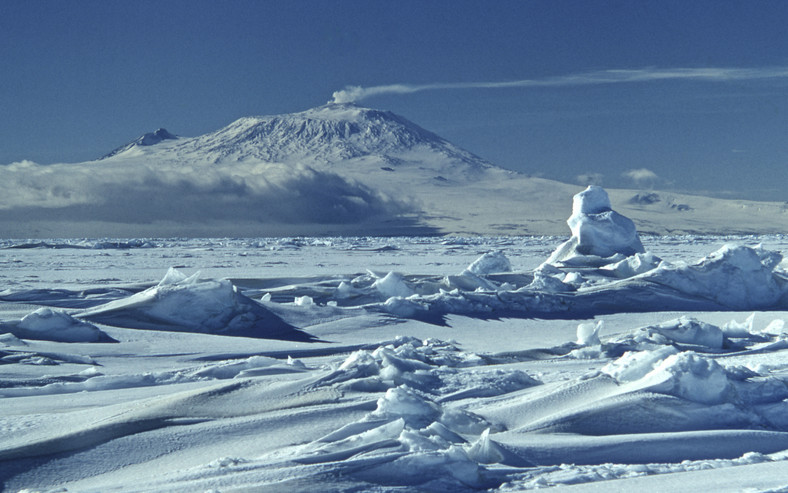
<point>188,303</point>
<point>734,276</point>
<point>598,232</point>
<point>57,325</point>
<point>576,278</point>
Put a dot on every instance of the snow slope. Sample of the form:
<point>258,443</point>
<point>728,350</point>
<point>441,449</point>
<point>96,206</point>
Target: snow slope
<point>334,169</point>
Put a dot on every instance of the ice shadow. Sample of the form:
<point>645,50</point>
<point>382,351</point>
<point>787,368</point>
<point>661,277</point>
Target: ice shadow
<point>263,325</point>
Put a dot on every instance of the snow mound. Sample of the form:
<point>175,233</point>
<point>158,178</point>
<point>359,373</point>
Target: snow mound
<point>687,330</point>
<point>189,304</point>
<point>414,427</point>
<point>701,379</point>
<point>431,366</point>
<point>410,429</point>
<point>734,276</point>
<point>59,326</point>
<point>634,365</point>
<point>598,232</point>
<point>490,263</point>
<point>692,377</point>
<point>391,285</point>
<point>631,266</point>
<point>684,331</point>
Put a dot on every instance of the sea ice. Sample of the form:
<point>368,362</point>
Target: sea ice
<point>410,413</point>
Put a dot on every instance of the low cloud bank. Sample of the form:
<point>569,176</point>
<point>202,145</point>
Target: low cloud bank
<point>270,194</point>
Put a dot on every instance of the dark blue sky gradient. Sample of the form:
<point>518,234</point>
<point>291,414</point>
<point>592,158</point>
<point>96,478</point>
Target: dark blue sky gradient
<point>78,79</point>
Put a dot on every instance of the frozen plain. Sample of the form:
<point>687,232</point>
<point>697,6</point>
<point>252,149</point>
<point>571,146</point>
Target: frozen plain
<point>394,364</point>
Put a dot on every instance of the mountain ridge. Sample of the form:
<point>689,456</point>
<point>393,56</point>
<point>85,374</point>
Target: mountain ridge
<point>145,140</point>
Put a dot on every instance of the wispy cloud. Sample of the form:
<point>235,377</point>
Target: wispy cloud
<point>708,74</point>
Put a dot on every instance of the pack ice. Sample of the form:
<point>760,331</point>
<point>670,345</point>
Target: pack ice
<point>412,364</point>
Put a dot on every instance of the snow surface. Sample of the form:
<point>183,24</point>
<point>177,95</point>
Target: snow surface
<point>341,364</point>
<point>364,364</point>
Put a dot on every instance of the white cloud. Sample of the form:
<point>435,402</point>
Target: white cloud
<point>641,176</point>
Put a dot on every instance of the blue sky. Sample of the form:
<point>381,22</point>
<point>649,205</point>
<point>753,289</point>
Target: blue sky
<point>78,79</point>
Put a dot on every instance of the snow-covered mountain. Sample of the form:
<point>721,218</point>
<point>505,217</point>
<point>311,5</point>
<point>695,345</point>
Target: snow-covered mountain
<point>334,169</point>
<point>327,134</point>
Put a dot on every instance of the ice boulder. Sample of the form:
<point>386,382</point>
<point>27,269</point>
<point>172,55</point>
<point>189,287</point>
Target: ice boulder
<point>473,278</point>
<point>490,263</point>
<point>588,333</point>
<point>547,283</point>
<point>56,325</point>
<point>598,232</point>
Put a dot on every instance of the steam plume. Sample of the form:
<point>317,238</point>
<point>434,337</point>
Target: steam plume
<point>356,93</point>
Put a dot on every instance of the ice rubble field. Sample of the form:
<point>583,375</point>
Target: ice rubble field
<point>398,364</point>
